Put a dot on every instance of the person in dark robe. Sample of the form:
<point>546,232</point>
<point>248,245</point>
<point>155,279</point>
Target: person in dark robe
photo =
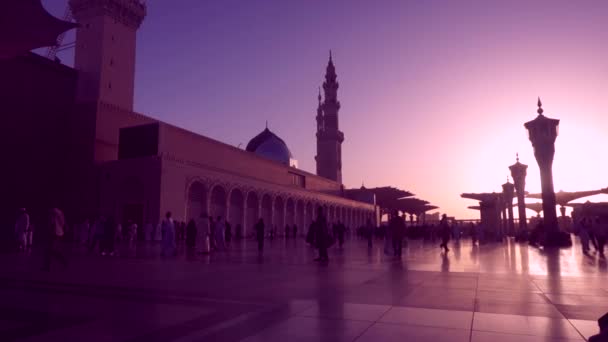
<point>445,232</point>
<point>259,233</point>
<point>397,230</point>
<point>191,234</point>
<point>55,234</point>
<point>228,232</point>
<point>321,235</point>
<point>369,231</point>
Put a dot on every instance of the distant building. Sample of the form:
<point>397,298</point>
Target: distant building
<point>78,144</point>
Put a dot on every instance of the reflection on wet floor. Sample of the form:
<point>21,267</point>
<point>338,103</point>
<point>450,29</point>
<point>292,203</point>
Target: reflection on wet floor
<point>492,292</point>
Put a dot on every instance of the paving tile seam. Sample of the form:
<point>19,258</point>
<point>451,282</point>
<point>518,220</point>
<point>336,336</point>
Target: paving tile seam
<point>520,334</point>
<point>113,292</point>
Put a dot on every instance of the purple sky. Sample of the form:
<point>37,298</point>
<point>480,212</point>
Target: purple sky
<point>434,93</point>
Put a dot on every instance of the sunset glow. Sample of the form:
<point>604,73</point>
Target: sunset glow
<point>434,94</point>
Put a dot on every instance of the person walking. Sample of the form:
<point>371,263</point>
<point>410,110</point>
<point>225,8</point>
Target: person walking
<point>601,234</point>
<point>322,235</point>
<point>397,229</point>
<point>583,234</point>
<point>56,232</point>
<point>259,233</point>
<point>445,232</point>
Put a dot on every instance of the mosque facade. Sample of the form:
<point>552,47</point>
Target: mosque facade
<point>126,164</point>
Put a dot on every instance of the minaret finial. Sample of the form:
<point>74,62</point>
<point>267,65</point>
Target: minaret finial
<point>540,106</point>
<point>517,157</point>
<point>266,124</point>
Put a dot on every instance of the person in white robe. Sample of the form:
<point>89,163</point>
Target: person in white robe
<point>202,224</point>
<point>168,244</point>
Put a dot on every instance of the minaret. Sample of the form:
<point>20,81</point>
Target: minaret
<point>329,136</point>
<point>105,49</point>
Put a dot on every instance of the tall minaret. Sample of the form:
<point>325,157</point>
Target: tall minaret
<point>105,49</point>
<point>329,136</point>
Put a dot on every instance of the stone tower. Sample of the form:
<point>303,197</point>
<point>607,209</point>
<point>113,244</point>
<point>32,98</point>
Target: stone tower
<point>329,136</point>
<point>105,49</point>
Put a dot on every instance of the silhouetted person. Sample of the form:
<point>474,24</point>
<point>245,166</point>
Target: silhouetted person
<point>168,244</point>
<point>287,229</point>
<point>369,231</point>
<point>191,234</point>
<point>228,232</point>
<point>321,235</point>
<point>445,232</point>
<point>21,228</point>
<point>603,335</point>
<point>109,236</point>
<point>259,234</point>
<point>220,234</point>
<point>600,235</point>
<point>97,234</point>
<point>56,232</point>
<point>212,225</point>
<point>583,234</point>
<point>202,224</point>
<point>295,231</point>
<point>396,228</point>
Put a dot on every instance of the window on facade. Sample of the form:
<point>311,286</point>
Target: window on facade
<point>298,180</point>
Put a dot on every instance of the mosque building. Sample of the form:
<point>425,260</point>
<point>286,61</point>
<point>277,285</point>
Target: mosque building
<point>100,156</point>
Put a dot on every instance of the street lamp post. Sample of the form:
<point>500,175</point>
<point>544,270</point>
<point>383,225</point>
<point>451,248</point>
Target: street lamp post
<point>518,173</point>
<point>542,132</point>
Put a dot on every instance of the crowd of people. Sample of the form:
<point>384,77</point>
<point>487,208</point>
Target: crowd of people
<point>207,234</point>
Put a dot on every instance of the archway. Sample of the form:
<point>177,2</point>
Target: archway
<point>218,202</point>
<point>267,211</point>
<point>279,214</point>
<point>197,201</point>
<point>236,212</point>
<point>253,212</point>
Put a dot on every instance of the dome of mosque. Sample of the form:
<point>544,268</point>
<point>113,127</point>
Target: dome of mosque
<point>270,146</point>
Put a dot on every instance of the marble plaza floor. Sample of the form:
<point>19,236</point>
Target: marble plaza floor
<point>496,292</point>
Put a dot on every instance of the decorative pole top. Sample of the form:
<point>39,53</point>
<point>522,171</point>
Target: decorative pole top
<point>540,107</point>
<point>330,55</point>
<point>266,124</point>
<point>517,157</point>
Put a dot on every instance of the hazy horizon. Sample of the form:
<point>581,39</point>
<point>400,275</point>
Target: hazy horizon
<point>434,94</point>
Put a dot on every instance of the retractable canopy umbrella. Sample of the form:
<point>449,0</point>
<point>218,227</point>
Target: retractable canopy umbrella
<point>25,25</point>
